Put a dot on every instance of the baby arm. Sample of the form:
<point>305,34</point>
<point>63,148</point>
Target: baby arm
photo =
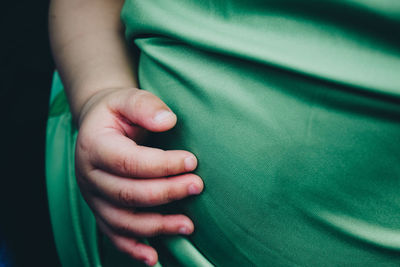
<point>116,175</point>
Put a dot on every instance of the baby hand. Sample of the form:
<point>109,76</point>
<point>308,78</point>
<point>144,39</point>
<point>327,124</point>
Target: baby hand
<point>116,175</point>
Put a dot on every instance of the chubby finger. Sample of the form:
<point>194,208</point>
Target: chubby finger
<point>144,109</point>
<point>140,224</point>
<point>128,192</point>
<point>118,154</point>
<point>130,245</point>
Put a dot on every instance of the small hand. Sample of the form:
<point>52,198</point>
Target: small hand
<point>116,175</point>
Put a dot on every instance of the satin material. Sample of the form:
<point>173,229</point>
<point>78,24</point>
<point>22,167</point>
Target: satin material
<point>293,110</point>
<point>72,221</point>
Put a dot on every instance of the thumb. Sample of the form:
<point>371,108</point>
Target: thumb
<point>144,109</point>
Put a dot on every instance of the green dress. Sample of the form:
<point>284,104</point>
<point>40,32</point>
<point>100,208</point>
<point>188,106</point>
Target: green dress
<point>293,110</point>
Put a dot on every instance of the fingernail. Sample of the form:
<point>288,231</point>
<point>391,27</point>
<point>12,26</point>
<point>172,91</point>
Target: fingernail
<point>193,189</point>
<point>148,262</point>
<point>163,115</point>
<point>184,231</point>
<point>190,163</point>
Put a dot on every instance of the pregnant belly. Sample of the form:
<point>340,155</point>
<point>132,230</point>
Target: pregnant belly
<point>297,171</point>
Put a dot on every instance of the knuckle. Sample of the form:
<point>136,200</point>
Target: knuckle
<point>85,154</point>
<point>161,196</point>
<point>139,99</point>
<point>123,228</point>
<point>167,170</point>
<point>162,168</point>
<point>126,197</point>
<point>170,194</point>
<point>123,246</point>
<point>158,226</point>
<point>126,165</point>
<point>83,142</point>
<point>133,249</point>
<point>154,197</point>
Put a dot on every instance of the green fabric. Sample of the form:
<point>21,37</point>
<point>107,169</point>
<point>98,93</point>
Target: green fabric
<point>293,110</point>
<point>72,222</point>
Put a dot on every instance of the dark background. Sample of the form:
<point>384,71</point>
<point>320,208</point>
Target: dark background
<point>26,69</point>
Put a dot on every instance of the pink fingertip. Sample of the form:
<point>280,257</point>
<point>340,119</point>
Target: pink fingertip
<point>150,262</point>
<point>193,189</point>
<point>184,230</point>
<point>190,163</point>
<point>163,115</point>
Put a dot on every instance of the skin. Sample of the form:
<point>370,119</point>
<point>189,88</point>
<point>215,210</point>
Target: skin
<point>115,173</point>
